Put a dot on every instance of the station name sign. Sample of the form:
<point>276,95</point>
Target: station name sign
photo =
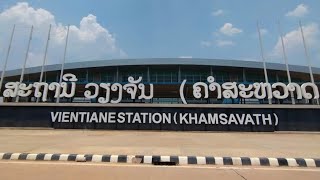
<point>138,90</point>
<point>178,118</point>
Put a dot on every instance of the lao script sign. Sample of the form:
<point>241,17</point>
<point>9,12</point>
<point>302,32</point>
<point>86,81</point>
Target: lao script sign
<point>137,90</point>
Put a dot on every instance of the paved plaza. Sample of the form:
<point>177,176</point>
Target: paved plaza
<point>278,144</point>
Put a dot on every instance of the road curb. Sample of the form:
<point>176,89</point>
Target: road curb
<point>167,160</point>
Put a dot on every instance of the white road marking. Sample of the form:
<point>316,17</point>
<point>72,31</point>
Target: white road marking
<point>273,162</point>
<point>96,158</point>
<point>236,161</point>
<point>165,158</point>
<point>114,158</point>
<point>147,159</point>
<point>15,156</point>
<point>63,157</point>
<point>47,157</point>
<point>32,156</point>
<point>201,160</point>
<point>255,161</point>
<point>218,160</point>
<point>129,158</point>
<point>80,157</point>
<point>292,162</point>
<point>183,160</point>
<point>310,163</point>
<point>1,155</point>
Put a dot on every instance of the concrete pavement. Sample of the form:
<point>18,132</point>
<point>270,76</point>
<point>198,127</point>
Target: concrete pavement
<point>282,144</point>
<point>47,170</point>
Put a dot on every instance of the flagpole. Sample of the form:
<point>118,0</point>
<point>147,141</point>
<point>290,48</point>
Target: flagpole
<point>286,61</point>
<point>7,57</point>
<point>307,56</point>
<point>263,59</point>
<point>63,62</point>
<point>25,60</point>
<point>44,58</point>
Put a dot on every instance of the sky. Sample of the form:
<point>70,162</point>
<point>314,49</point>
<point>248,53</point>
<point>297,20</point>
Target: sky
<point>128,29</point>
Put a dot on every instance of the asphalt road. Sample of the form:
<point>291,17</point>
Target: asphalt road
<point>34,170</point>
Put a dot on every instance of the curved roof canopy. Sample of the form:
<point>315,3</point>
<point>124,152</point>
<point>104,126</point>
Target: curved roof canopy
<point>165,61</point>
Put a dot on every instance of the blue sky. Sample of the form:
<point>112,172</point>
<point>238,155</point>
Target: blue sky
<point>163,28</point>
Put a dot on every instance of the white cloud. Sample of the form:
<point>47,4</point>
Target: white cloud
<point>222,43</point>
<point>88,41</point>
<point>229,30</point>
<point>218,12</point>
<point>294,44</point>
<point>205,43</point>
<point>299,11</point>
